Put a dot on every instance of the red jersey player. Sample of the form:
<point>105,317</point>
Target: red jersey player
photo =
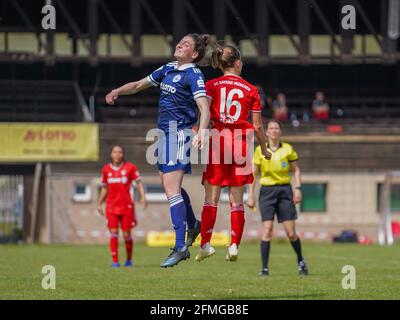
<point>120,210</point>
<point>232,99</point>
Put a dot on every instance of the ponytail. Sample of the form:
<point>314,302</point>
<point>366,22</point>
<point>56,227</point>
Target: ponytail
<point>224,56</point>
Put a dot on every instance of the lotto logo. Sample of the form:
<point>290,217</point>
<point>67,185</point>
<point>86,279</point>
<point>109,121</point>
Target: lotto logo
<point>167,87</point>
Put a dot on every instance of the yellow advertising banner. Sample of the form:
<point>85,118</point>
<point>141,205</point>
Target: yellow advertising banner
<point>167,239</point>
<point>32,142</point>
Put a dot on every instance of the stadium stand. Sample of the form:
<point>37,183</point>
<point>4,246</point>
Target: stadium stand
<point>356,106</point>
<point>129,108</point>
<point>42,101</point>
<point>63,75</point>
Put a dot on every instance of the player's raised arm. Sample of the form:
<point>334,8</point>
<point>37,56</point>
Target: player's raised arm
<point>128,89</point>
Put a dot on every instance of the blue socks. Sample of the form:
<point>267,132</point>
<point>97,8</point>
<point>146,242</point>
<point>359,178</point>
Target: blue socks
<point>190,217</point>
<point>177,208</point>
<point>181,214</point>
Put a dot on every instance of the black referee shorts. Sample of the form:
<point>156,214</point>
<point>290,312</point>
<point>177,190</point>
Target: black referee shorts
<point>277,199</point>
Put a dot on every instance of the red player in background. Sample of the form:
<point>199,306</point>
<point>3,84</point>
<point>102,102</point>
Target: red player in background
<point>118,176</point>
<point>232,99</point>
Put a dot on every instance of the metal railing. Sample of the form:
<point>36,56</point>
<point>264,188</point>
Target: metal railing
<point>11,208</point>
<point>257,22</point>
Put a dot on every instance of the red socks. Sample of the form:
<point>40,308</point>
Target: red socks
<point>237,223</point>
<point>208,217</point>
<point>114,246</point>
<point>129,247</point>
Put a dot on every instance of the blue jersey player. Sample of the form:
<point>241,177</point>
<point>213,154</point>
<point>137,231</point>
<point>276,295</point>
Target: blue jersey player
<point>182,89</point>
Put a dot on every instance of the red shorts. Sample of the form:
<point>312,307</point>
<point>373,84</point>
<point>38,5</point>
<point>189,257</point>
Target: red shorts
<point>224,175</point>
<point>234,170</point>
<point>127,221</point>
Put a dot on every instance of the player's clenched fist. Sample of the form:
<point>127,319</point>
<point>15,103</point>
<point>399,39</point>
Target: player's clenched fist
<point>112,96</point>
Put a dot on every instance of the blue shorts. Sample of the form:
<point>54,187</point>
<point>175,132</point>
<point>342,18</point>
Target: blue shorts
<point>173,151</point>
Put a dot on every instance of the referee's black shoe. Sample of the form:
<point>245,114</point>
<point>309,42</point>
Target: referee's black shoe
<point>303,269</point>
<point>263,273</point>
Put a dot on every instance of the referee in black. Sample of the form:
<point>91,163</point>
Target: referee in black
<point>276,194</point>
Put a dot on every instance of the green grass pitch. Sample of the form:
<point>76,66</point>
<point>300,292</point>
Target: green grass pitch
<point>84,272</point>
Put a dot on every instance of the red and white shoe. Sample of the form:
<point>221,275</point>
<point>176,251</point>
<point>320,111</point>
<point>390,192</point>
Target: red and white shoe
<point>232,254</point>
<point>204,252</point>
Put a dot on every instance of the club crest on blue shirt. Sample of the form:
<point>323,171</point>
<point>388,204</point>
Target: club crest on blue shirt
<point>176,78</point>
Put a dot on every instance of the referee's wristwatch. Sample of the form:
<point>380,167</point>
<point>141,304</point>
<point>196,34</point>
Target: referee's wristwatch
<point>298,188</point>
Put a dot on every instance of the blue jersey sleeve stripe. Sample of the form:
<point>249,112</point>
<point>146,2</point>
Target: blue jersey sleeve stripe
<point>200,94</point>
<point>153,82</point>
